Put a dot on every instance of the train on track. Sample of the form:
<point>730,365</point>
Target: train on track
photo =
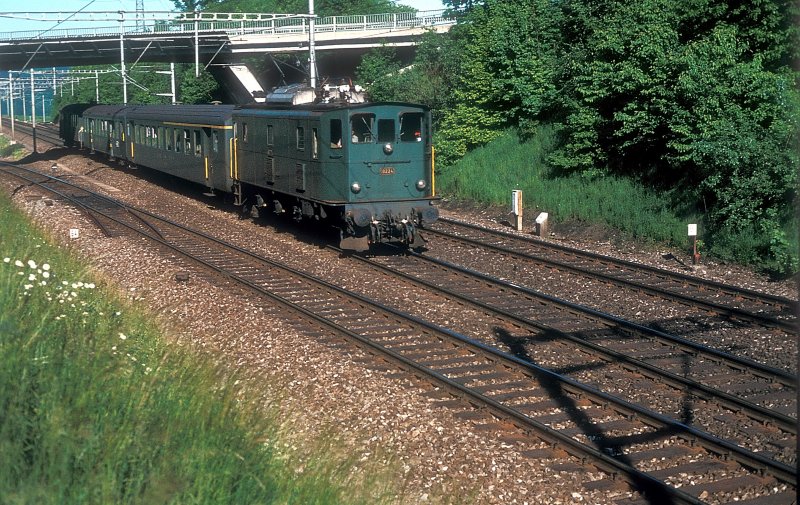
<point>367,169</point>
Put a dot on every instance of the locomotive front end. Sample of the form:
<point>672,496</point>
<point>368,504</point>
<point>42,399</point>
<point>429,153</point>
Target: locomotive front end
<point>390,174</point>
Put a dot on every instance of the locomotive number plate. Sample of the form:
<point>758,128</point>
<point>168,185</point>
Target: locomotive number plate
<point>387,171</point>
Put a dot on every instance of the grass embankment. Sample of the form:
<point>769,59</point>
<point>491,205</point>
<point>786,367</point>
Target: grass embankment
<point>96,408</point>
<point>11,151</point>
<point>488,174</point>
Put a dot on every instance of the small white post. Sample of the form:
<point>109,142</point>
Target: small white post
<point>541,224</point>
<point>516,208</point>
<point>693,236</point>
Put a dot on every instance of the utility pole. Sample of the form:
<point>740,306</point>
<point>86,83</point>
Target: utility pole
<point>11,106</point>
<point>140,16</point>
<point>33,109</point>
<point>312,58</point>
<point>122,58</point>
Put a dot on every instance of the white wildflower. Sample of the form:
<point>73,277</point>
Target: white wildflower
<point>18,263</point>
<point>32,264</point>
<point>28,286</point>
<point>46,274</point>
<point>6,260</point>
<point>32,277</point>
<point>90,285</point>
<point>122,336</point>
<point>45,267</point>
<point>65,283</point>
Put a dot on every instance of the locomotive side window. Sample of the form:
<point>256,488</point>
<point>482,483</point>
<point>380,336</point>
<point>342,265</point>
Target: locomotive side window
<point>270,135</point>
<point>411,127</point>
<point>301,138</point>
<point>361,128</point>
<point>244,132</point>
<point>314,143</point>
<point>386,130</point>
<point>336,133</point>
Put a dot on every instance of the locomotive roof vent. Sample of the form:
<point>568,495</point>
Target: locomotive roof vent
<point>293,94</point>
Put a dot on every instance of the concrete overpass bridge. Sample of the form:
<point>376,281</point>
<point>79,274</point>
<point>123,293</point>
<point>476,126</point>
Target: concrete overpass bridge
<point>215,41</point>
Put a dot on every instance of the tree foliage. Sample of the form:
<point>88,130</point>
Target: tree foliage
<point>693,95</point>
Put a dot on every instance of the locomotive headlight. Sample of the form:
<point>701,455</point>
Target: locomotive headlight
<point>355,187</point>
<point>387,148</point>
<point>421,184</point>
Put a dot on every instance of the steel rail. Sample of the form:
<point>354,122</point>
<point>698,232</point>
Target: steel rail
<point>763,414</point>
<point>789,326</point>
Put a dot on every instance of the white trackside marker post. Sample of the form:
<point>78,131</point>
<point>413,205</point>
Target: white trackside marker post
<point>693,237</point>
<point>516,208</point>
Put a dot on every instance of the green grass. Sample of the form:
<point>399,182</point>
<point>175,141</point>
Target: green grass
<point>488,174</point>
<point>11,151</point>
<point>96,408</point>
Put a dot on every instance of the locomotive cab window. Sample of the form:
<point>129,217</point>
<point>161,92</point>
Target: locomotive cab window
<point>336,133</point>
<point>270,135</point>
<point>386,130</point>
<point>411,127</point>
<point>301,138</point>
<point>361,128</point>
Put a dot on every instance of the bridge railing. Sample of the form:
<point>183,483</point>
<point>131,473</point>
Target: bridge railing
<point>103,24</point>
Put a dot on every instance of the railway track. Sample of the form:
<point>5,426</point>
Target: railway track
<point>46,133</point>
<point>718,299</point>
<point>663,460</point>
<point>683,379</point>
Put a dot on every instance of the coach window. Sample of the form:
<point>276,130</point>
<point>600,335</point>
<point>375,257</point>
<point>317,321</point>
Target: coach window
<point>270,135</point>
<point>161,137</point>
<point>301,138</point>
<point>198,143</point>
<point>361,128</point>
<point>215,141</point>
<point>187,142</point>
<point>336,133</point>
<point>411,127</point>
<point>169,134</point>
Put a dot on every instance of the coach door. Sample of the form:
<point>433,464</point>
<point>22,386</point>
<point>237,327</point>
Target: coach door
<point>214,158</point>
<point>119,139</point>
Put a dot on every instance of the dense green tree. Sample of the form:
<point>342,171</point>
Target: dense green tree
<point>505,72</point>
<point>200,89</point>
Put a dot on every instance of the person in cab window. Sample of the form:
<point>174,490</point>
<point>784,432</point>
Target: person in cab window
<point>355,138</point>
